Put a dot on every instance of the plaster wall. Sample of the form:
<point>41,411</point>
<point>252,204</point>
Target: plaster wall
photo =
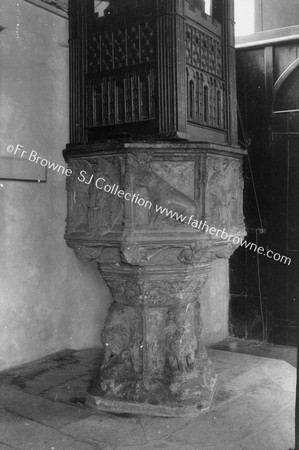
<point>48,299</point>
<point>271,14</point>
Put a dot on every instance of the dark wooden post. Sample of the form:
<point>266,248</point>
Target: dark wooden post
<point>228,26</point>
<point>78,15</point>
<point>297,399</point>
<point>297,387</point>
<point>171,70</point>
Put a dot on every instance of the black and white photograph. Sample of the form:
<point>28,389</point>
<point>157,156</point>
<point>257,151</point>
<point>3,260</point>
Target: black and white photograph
<point>149,195</point>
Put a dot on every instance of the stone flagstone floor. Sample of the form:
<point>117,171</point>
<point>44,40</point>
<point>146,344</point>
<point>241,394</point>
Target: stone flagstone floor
<point>42,407</point>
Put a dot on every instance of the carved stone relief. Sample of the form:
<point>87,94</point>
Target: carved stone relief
<point>103,209</point>
<point>92,211</point>
<point>100,254</point>
<point>181,339</point>
<point>125,292</point>
<point>179,174</point>
<point>162,193</point>
<point>154,331</point>
<point>154,342</point>
<point>122,338</point>
<point>135,254</point>
<point>224,193</point>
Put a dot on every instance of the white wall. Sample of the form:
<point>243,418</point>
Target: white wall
<point>48,299</point>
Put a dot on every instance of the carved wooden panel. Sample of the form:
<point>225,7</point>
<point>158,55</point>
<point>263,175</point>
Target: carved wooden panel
<point>205,84</point>
<point>149,68</point>
<point>122,72</point>
<point>203,51</point>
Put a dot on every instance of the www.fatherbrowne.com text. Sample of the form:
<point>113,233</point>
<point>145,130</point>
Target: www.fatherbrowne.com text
<point>191,220</point>
<point>137,199</point>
